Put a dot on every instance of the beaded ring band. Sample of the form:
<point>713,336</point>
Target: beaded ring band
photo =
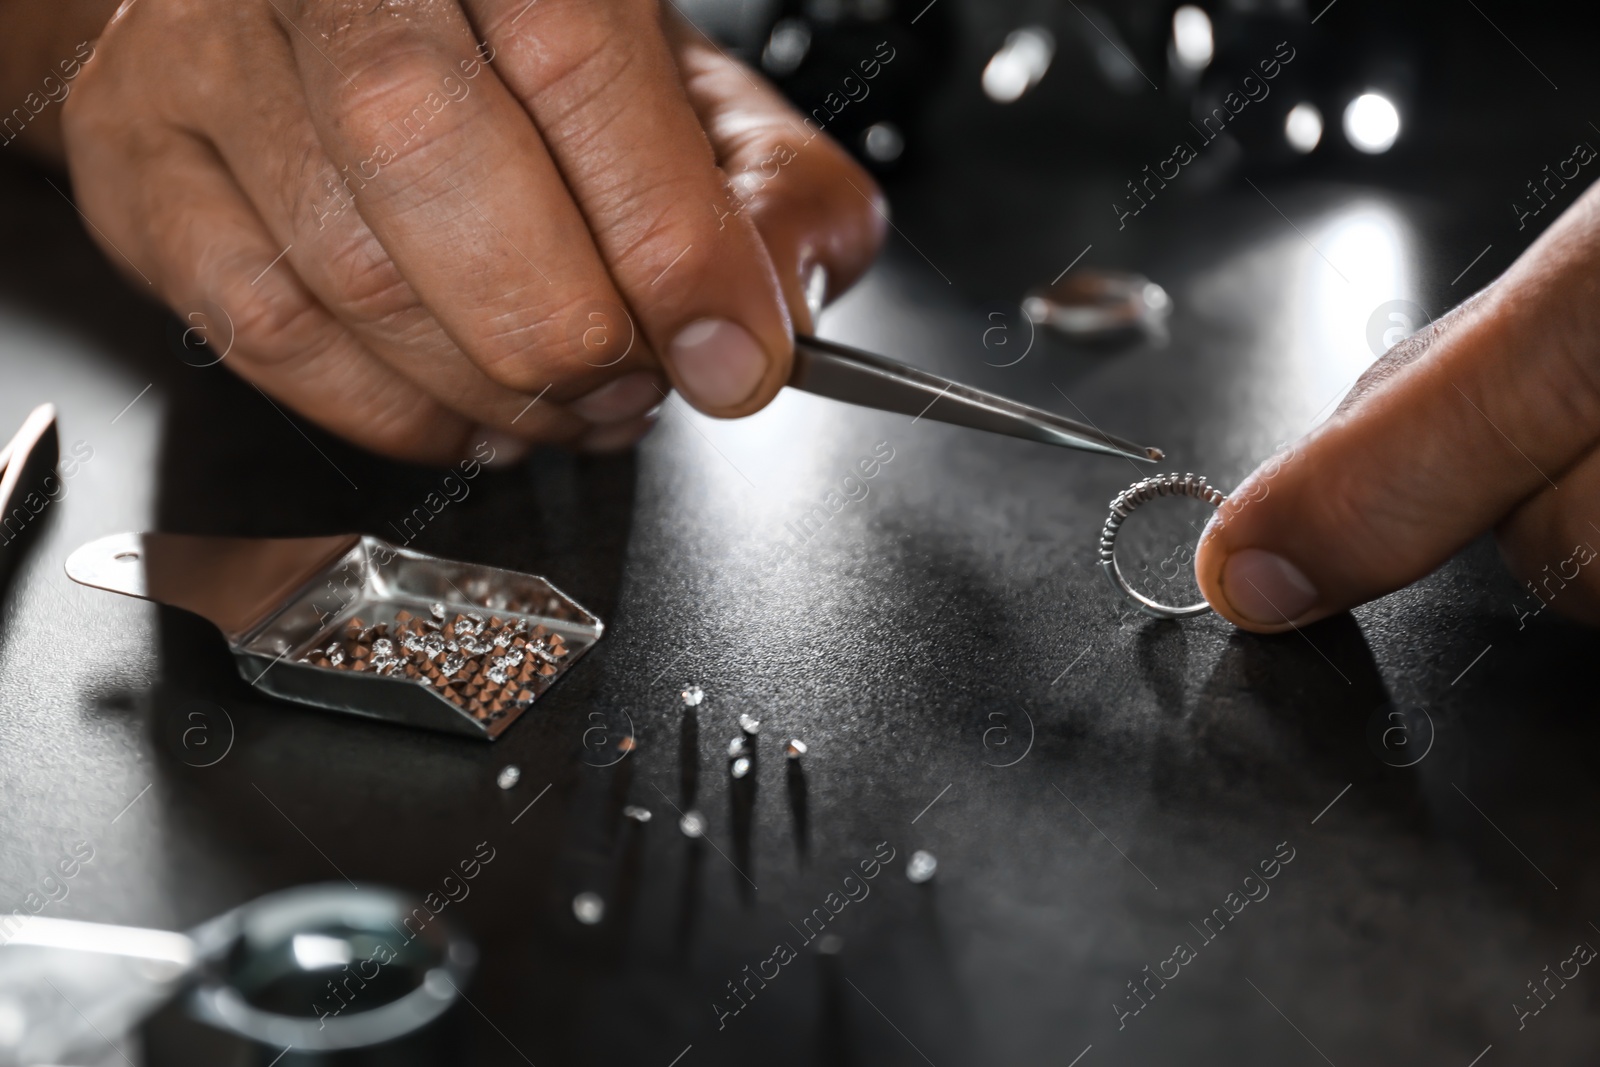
<point>1190,485</point>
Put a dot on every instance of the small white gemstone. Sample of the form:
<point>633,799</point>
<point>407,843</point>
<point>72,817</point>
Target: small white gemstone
<point>693,824</point>
<point>497,672</point>
<point>452,663</point>
<point>335,655</point>
<point>795,748</point>
<point>693,695</point>
<point>636,813</point>
<point>437,611</point>
<point>741,767</point>
<point>509,776</point>
<point>921,866</point>
<point>749,725</point>
<point>738,747</point>
<point>589,908</point>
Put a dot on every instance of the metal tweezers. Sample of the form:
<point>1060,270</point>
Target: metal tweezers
<point>23,448</point>
<point>842,373</point>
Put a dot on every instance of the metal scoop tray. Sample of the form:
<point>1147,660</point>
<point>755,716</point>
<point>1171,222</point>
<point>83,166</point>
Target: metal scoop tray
<point>352,623</point>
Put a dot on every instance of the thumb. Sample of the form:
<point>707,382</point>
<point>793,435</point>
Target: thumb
<point>1440,439</point>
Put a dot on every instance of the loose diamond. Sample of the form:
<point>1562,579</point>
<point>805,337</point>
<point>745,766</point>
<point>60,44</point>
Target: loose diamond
<point>453,663</point>
<point>693,695</point>
<point>411,642</point>
<point>738,747</point>
<point>382,648</point>
<point>437,611</point>
<point>509,776</point>
<point>589,908</point>
<point>636,813</point>
<point>497,671</point>
<point>795,748</point>
<point>513,657</point>
<point>433,644</point>
<point>693,824</point>
<point>749,726</point>
<point>741,767</point>
<point>335,654</point>
<point>921,866</point>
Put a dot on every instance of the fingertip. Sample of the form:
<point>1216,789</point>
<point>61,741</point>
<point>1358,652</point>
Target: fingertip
<point>1253,586</point>
<point>503,449</point>
<point>621,399</point>
<point>1265,591</point>
<point>617,437</point>
<point>721,368</point>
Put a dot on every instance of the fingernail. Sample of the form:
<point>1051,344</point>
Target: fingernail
<point>718,362</point>
<point>493,448</point>
<point>629,397</point>
<point>816,282</point>
<point>1266,588</point>
<point>617,437</point>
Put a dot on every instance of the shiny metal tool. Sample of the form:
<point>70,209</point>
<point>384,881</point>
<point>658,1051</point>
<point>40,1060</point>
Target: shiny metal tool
<point>840,372</point>
<point>34,444</point>
<point>420,641</point>
<point>315,968</point>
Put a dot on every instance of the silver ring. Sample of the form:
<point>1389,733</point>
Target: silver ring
<point>1097,303</point>
<point>1191,485</point>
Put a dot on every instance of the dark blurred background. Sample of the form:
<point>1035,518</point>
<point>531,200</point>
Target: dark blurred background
<point>1160,762</point>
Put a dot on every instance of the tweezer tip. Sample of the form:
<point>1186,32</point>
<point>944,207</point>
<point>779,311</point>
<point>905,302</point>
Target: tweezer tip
<point>1154,455</point>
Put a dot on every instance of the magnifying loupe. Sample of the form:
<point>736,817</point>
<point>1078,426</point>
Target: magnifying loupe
<point>318,968</point>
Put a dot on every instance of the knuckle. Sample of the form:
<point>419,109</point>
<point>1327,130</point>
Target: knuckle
<point>273,320</point>
<point>523,355</point>
<point>591,47</point>
<point>411,427</point>
<point>650,228</point>
<point>394,104</point>
<point>368,287</point>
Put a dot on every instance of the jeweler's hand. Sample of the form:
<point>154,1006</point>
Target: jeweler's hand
<point>1489,418</point>
<point>420,218</point>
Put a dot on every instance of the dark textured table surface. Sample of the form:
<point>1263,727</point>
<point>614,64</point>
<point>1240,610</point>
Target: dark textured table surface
<point>1093,783</point>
